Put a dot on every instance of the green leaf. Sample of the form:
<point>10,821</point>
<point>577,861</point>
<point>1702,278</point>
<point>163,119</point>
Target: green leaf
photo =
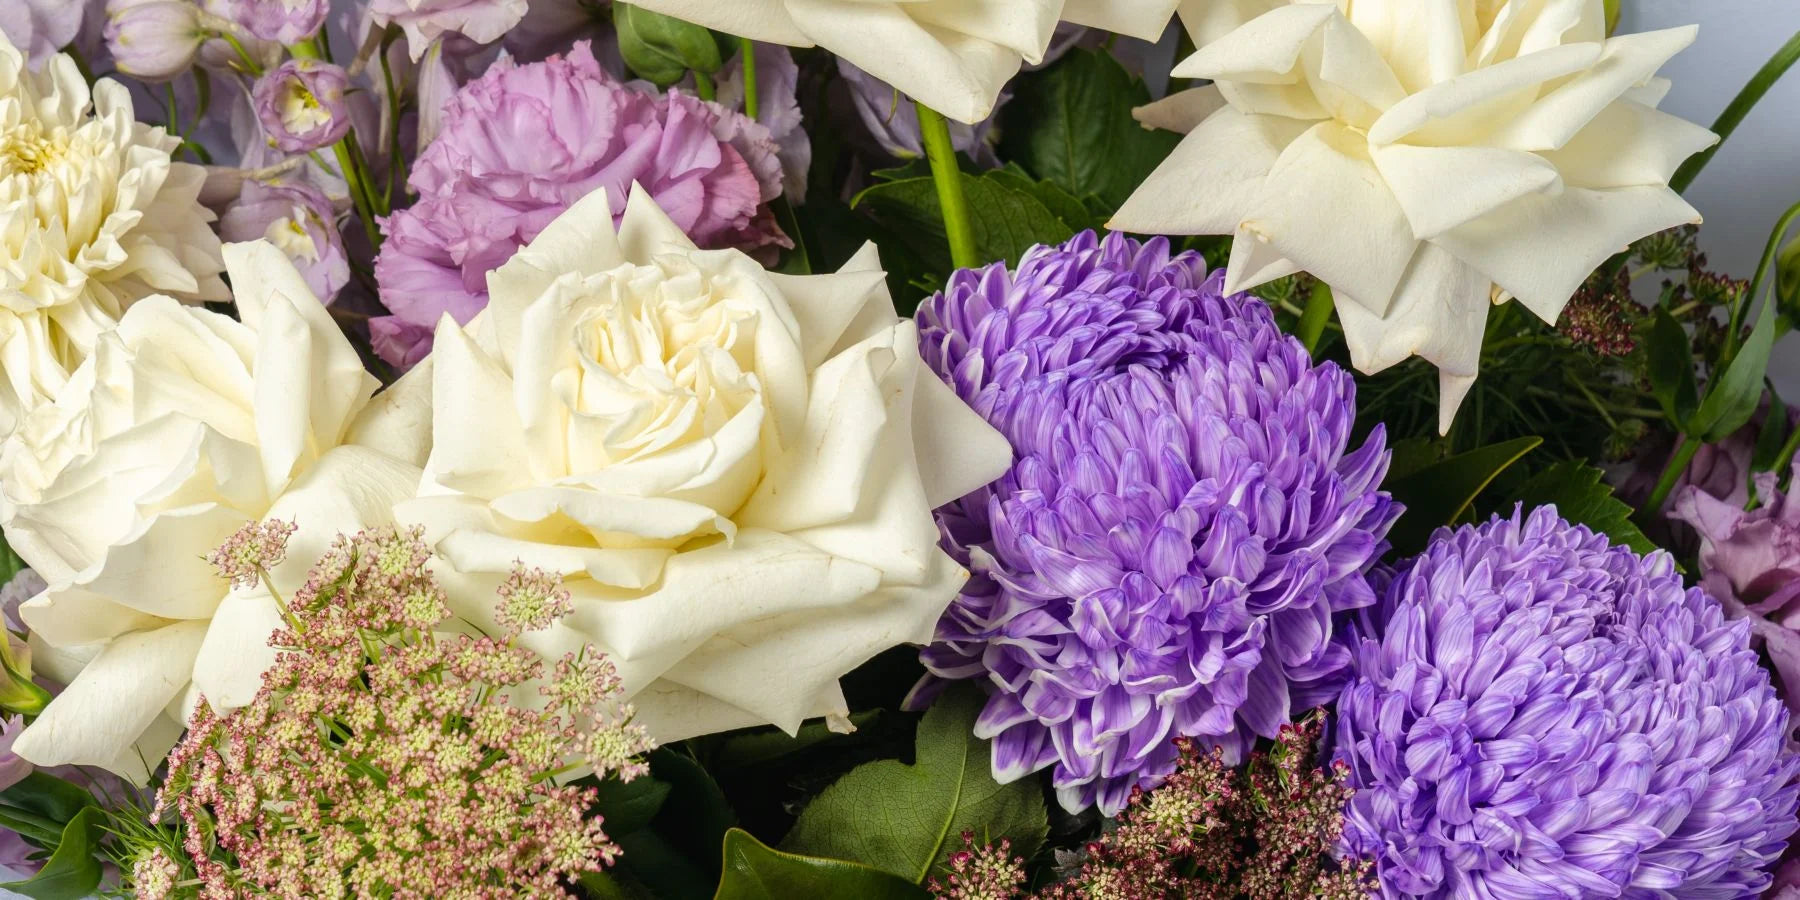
<point>1439,494</point>
<point>696,815</point>
<point>652,863</point>
<point>661,49</point>
<point>627,806</point>
<point>612,886</point>
<point>1074,213</point>
<point>1772,437</point>
<point>48,797</point>
<point>1731,398</point>
<point>766,745</point>
<point>72,872</point>
<point>1071,124</point>
<point>907,819</point>
<point>1581,497</point>
<point>1671,364</point>
<point>1005,220</point>
<point>753,871</point>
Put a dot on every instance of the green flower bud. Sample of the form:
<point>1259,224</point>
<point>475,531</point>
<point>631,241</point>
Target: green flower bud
<point>661,49</point>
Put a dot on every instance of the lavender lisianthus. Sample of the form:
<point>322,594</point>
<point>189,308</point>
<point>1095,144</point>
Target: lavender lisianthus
<point>1546,714</point>
<point>281,21</point>
<point>299,220</point>
<point>301,104</point>
<point>1180,524</point>
<point>1750,563</point>
<point>520,144</point>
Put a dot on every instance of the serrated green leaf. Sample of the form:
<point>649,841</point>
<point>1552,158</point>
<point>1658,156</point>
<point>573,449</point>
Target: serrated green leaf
<point>1582,497</point>
<point>1005,221</point>
<point>1071,124</point>
<point>1671,365</point>
<point>72,871</point>
<point>754,871</point>
<point>1439,494</point>
<point>908,819</point>
<point>1731,398</point>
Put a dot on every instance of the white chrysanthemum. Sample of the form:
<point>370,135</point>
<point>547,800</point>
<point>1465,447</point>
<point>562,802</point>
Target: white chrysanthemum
<point>951,55</point>
<point>1423,157</point>
<point>94,215</point>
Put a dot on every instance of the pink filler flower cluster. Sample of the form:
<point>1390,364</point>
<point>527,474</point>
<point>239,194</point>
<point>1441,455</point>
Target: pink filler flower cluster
<point>380,759</point>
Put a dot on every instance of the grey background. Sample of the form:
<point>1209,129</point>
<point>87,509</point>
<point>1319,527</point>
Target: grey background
<point>1756,175</point>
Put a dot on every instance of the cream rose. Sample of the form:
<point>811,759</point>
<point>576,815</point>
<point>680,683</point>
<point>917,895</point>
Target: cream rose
<point>734,470</point>
<point>1425,158</point>
<point>951,55</point>
<point>179,428</point>
<point>94,216</point>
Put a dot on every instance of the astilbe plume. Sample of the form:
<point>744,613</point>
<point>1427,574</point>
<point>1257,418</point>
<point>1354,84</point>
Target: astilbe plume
<point>1184,516</point>
<point>383,760</point>
<point>1262,831</point>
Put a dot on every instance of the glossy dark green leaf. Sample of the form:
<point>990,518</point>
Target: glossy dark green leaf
<point>1439,494</point>
<point>1582,497</point>
<point>47,796</point>
<point>662,49</point>
<point>1005,220</point>
<point>1671,364</point>
<point>695,815</point>
<point>1071,124</point>
<point>766,745</point>
<point>627,806</point>
<point>72,871</point>
<point>1731,398</point>
<point>907,819</point>
<point>753,871</point>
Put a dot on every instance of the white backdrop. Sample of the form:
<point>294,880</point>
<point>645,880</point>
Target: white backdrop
<point>1756,176</point>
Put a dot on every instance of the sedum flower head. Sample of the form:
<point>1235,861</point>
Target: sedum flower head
<point>1183,516</point>
<point>1543,708</point>
<point>98,216</point>
<point>382,760</point>
<point>1425,158</point>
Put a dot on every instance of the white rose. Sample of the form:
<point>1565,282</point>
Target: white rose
<point>734,470</point>
<point>94,216</point>
<point>182,426</point>
<point>1425,158</point>
<point>951,55</point>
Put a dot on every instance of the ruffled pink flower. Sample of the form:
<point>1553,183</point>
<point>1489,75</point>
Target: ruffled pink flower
<point>520,144</point>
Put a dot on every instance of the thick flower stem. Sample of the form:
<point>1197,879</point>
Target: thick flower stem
<point>1318,312</point>
<point>747,52</point>
<point>1678,463</point>
<point>1739,108</point>
<point>704,87</point>
<point>1765,271</point>
<point>948,176</point>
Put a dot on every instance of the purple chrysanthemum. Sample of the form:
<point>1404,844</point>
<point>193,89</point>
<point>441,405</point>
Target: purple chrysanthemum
<point>1180,523</point>
<point>1549,715</point>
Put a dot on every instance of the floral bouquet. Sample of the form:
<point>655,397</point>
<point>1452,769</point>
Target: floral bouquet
<point>884,450</point>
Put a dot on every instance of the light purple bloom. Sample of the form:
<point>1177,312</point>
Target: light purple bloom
<point>777,108</point>
<point>13,769</point>
<point>521,143</point>
<point>424,21</point>
<point>154,40</point>
<point>281,21</point>
<point>301,105</point>
<point>1180,524</point>
<point>40,28</point>
<point>298,219</point>
<point>893,121</point>
<point>1750,562</point>
<point>1545,714</point>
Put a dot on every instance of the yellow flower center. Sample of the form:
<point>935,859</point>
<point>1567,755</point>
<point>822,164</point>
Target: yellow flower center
<point>27,151</point>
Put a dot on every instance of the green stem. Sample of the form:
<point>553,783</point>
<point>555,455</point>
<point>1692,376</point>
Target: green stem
<point>1318,312</point>
<point>1784,460</point>
<point>1678,463</point>
<point>1740,107</point>
<point>704,87</point>
<point>747,51</point>
<point>351,162</point>
<point>1764,270</point>
<point>250,63</point>
<point>948,176</point>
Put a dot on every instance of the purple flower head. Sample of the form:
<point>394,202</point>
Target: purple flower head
<point>1180,524</point>
<point>13,768</point>
<point>296,217</point>
<point>153,40</point>
<point>520,144</point>
<point>281,21</point>
<point>1549,715</point>
<point>893,121</point>
<point>1750,563</point>
<point>301,104</point>
<point>40,28</point>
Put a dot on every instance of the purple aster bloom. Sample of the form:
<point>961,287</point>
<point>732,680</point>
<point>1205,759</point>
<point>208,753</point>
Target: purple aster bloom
<point>1750,563</point>
<point>281,21</point>
<point>301,104</point>
<point>297,218</point>
<point>1182,520</point>
<point>520,144</point>
<point>1549,715</point>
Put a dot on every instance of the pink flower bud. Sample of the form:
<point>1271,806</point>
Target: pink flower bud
<point>154,40</point>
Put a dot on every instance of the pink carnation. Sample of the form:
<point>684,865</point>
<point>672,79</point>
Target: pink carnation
<point>522,143</point>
